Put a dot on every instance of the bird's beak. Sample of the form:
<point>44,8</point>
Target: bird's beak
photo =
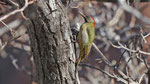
<point>83,15</point>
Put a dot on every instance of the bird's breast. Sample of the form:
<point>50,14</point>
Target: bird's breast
<point>85,38</point>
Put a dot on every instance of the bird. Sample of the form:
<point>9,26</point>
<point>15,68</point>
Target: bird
<point>85,37</point>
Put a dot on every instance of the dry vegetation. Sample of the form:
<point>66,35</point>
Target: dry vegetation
<point>120,53</point>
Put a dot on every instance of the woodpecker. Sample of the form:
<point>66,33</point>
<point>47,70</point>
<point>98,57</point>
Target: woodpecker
<point>86,37</point>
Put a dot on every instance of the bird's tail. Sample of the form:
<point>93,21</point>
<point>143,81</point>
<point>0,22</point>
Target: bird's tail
<point>83,54</point>
<point>79,60</point>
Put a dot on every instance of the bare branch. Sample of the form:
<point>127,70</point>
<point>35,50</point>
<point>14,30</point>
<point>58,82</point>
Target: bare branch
<point>10,26</point>
<point>130,50</point>
<point>14,62</point>
<point>108,74</point>
<point>14,3</point>
<point>116,18</point>
<point>133,11</point>
<point>10,40</point>
<point>103,58</point>
<point>17,10</point>
<point>140,80</point>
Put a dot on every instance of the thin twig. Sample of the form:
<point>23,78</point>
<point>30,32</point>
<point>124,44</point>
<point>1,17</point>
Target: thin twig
<point>133,11</point>
<point>11,31</point>
<point>14,3</point>
<point>9,41</point>
<point>103,58</point>
<point>18,10</point>
<point>130,50</point>
<point>11,26</point>
<point>108,74</point>
<point>140,80</point>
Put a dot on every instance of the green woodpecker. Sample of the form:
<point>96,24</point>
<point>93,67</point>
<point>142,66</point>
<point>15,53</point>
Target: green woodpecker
<point>85,37</point>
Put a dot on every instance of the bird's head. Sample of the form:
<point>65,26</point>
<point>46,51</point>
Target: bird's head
<point>88,18</point>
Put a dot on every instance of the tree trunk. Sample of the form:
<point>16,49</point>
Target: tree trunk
<point>50,37</point>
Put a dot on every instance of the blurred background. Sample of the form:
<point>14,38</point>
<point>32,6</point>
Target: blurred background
<point>113,24</point>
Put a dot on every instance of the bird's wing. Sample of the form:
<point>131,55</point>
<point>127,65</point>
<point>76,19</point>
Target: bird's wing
<point>91,33</point>
<point>83,36</point>
<point>82,41</point>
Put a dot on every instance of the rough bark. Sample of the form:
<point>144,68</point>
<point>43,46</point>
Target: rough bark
<point>50,37</point>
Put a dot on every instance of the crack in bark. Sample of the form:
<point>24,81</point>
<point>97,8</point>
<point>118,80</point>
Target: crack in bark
<point>45,21</point>
<point>59,70</point>
<point>50,9</point>
<point>38,47</point>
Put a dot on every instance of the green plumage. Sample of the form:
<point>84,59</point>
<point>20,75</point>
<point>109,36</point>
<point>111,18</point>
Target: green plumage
<point>85,38</point>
